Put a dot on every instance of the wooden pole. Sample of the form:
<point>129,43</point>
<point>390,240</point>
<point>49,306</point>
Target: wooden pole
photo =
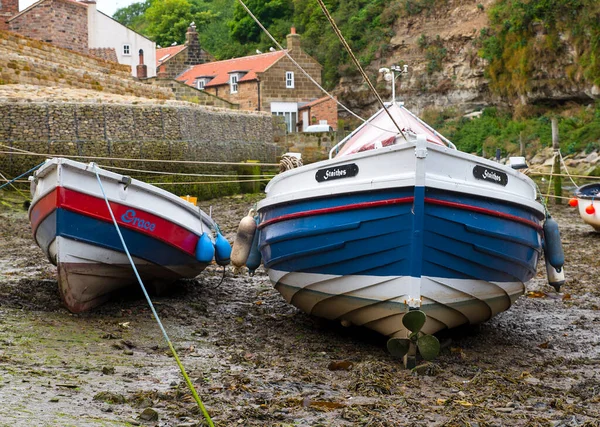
<point>521,144</point>
<point>556,166</point>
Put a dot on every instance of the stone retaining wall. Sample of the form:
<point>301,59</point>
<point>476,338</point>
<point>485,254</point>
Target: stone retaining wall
<point>165,132</point>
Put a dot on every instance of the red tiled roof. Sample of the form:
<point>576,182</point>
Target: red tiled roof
<point>165,53</point>
<point>315,102</point>
<point>220,70</point>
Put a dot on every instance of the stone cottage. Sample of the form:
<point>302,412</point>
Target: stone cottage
<point>267,82</point>
<point>78,26</point>
<point>174,60</point>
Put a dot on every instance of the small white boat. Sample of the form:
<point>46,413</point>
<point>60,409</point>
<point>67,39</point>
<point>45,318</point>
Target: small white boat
<point>398,222</point>
<point>72,225</point>
<point>585,196</point>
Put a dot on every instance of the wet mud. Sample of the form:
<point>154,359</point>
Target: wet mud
<point>257,361</point>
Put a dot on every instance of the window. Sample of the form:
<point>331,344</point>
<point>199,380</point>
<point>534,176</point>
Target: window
<point>126,49</point>
<point>289,111</point>
<point>200,84</point>
<point>289,79</point>
<point>233,83</point>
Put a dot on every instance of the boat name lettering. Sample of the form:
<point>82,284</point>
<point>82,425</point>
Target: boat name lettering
<point>491,175</point>
<point>130,217</point>
<point>337,172</point>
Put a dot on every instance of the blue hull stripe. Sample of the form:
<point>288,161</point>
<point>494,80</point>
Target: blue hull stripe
<point>416,239</point>
<point>103,234</point>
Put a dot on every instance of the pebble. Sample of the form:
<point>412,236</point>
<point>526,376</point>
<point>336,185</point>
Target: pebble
<point>149,414</point>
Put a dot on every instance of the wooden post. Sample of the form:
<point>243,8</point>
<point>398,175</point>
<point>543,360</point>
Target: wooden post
<point>521,144</point>
<point>556,166</point>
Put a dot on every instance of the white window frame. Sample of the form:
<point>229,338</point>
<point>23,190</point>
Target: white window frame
<point>200,84</point>
<point>289,79</point>
<point>289,111</point>
<point>233,83</point>
<point>126,50</point>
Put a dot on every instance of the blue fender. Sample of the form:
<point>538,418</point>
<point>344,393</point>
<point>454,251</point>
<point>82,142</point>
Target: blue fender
<point>553,250</point>
<point>222,250</point>
<point>205,251</point>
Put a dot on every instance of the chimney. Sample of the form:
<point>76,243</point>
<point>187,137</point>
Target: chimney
<point>141,70</point>
<point>162,72</point>
<point>191,36</point>
<point>8,9</point>
<point>293,39</point>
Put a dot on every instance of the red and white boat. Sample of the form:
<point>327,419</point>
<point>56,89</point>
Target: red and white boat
<point>72,225</point>
<point>585,196</point>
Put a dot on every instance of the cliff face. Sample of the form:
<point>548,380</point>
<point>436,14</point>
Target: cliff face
<point>440,47</point>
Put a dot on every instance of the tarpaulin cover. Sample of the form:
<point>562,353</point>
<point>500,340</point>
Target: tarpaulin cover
<point>380,131</point>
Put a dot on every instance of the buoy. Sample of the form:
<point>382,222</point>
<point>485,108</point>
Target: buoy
<point>553,253</point>
<point>205,251</point>
<point>243,240</point>
<point>573,202</point>
<point>222,250</point>
<point>590,209</point>
<point>254,257</point>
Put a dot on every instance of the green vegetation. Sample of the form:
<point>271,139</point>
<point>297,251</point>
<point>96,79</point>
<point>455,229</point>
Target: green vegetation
<point>524,43</point>
<point>579,130</point>
<point>526,37</point>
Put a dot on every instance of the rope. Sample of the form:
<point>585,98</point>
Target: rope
<point>289,162</point>
<point>183,174</point>
<point>187,379</point>
<point>23,174</point>
<point>566,170</point>
<point>207,182</point>
<point>360,69</point>
<point>15,188</point>
<point>295,63</point>
<point>190,162</point>
<point>562,174</point>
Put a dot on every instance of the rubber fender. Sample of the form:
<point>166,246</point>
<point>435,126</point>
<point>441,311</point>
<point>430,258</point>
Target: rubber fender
<point>205,251</point>
<point>553,250</point>
<point>254,257</point>
<point>243,240</point>
<point>556,278</point>
<point>222,250</point>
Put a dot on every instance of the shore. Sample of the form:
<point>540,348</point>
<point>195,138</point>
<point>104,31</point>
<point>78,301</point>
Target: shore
<point>257,361</point>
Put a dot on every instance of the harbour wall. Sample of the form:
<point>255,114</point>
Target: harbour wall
<point>169,131</point>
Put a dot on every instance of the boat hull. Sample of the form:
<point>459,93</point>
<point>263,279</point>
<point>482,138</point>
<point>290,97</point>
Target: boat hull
<point>585,197</point>
<point>73,226</point>
<point>458,248</point>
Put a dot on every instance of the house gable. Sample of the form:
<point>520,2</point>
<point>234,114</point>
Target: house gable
<point>60,22</point>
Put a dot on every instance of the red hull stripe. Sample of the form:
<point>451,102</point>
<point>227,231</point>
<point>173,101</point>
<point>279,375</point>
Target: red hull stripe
<point>44,207</point>
<point>335,209</point>
<point>133,219</point>
<point>485,211</point>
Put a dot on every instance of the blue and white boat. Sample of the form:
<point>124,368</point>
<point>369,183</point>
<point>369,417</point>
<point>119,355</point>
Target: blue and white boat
<point>398,221</point>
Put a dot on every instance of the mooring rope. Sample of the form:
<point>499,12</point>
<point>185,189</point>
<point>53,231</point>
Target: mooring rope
<point>357,64</point>
<point>23,174</point>
<point>121,159</point>
<point>164,332</point>
<point>184,174</point>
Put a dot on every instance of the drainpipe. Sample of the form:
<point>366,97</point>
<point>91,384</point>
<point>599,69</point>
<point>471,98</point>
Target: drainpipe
<point>258,92</point>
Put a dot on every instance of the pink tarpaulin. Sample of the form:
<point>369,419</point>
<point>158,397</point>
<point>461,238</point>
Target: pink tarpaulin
<point>380,131</point>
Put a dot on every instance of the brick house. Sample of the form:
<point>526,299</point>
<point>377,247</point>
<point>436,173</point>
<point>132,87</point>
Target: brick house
<point>174,60</point>
<point>267,82</point>
<point>78,26</point>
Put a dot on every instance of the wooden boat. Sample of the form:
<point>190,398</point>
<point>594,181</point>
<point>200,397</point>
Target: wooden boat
<point>397,222</point>
<point>585,196</point>
<point>72,225</point>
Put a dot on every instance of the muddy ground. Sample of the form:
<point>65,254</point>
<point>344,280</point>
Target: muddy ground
<point>256,361</point>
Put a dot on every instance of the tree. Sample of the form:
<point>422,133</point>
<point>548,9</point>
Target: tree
<point>268,12</point>
<point>133,16</point>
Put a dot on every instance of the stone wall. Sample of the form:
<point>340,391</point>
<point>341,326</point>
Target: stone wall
<point>273,81</point>
<point>128,131</point>
<point>60,22</point>
<point>183,92</point>
<point>28,61</point>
